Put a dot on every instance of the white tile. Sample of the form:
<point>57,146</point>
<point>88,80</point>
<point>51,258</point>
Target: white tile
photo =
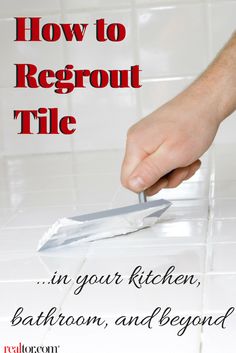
<point>222,29</point>
<point>225,189</point>
<point>30,217</point>
<point>23,239</point>
<point>165,2</point>
<point>30,335</point>
<point>202,175</point>
<point>98,162</point>
<point>64,261</point>
<point>6,215</point>
<point>103,124</point>
<point>224,208</point>
<point>112,300</point>
<point>163,233</point>
<point>185,258</point>
<point>182,232</point>
<point>30,265</point>
<point>19,169</point>
<point>156,93</point>
<point>178,44</point>
<point>181,210</point>
<point>15,143</point>
<point>223,258</point>
<point>28,293</point>
<point>225,134</point>
<point>214,338</point>
<point>225,163</point>
<point>102,341</point>
<point>92,54</point>
<point>8,200</point>
<point>88,189</point>
<point>42,54</point>
<point>224,230</point>
<point>80,4</point>
<point>39,183</point>
<point>28,8</point>
<point>1,138</point>
<point>186,190</point>
<point>96,188</point>
<point>124,197</point>
<point>220,292</point>
<point>49,198</point>
<point>21,266</point>
<point>207,158</point>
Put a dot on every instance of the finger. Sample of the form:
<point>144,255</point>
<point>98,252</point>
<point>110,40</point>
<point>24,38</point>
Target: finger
<point>154,189</point>
<point>193,168</point>
<point>171,180</point>
<point>174,178</point>
<point>150,169</point>
<point>133,155</point>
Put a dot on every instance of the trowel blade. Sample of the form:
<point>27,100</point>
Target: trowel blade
<point>103,224</point>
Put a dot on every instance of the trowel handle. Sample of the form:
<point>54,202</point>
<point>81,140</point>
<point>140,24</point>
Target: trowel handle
<point>142,197</point>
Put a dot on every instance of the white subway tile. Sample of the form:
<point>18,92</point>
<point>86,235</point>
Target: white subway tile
<point>111,300</point>
<point>172,40</point>
<point>225,189</point>
<point>163,233</point>
<point>186,258</point>
<point>165,3</point>
<point>14,143</point>
<point>222,17</point>
<point>13,8</point>
<point>45,55</point>
<point>224,230</point>
<point>186,190</point>
<point>81,4</point>
<point>214,338</point>
<point>104,116</point>
<point>156,93</point>
<point>225,163</point>
<point>224,208</point>
<point>123,339</point>
<point>220,292</point>
<point>28,293</point>
<point>226,132</point>
<point>92,54</point>
<point>223,258</point>
<point>182,210</point>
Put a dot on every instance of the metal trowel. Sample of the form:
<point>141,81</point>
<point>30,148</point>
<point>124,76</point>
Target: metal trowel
<point>103,224</point>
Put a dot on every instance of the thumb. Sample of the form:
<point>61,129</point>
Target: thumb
<point>150,170</point>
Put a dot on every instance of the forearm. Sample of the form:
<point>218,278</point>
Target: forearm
<point>216,87</point>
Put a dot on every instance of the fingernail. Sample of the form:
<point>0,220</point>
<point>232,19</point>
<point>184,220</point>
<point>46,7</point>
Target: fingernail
<point>137,184</point>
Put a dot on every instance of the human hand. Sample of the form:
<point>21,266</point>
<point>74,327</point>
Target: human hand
<point>163,149</point>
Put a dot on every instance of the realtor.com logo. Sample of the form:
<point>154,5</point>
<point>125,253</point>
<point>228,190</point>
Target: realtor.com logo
<point>22,348</point>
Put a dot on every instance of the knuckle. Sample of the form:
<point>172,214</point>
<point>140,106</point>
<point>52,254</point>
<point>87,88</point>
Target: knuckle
<point>132,133</point>
<point>151,168</point>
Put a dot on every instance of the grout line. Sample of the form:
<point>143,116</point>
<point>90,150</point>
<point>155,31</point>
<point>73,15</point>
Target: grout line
<point>114,8</point>
<point>209,31</point>
<point>172,4</point>
<point>65,61</point>
<point>208,250</point>
<point>63,11</point>
<point>136,54</point>
<point>168,78</point>
<point>79,268</point>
